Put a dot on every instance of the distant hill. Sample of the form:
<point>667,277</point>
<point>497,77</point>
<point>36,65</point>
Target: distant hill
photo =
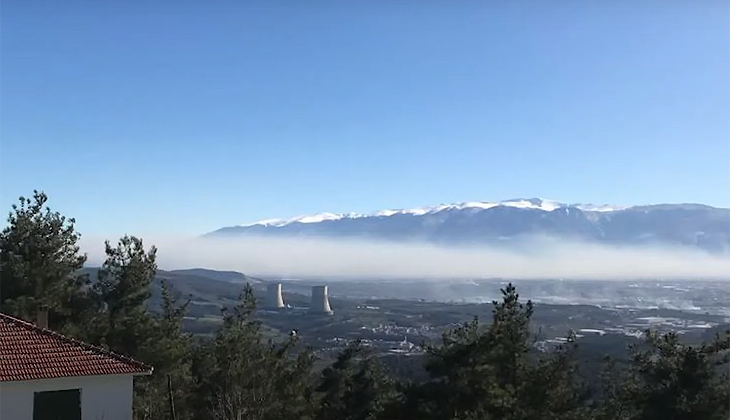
<point>193,275</point>
<point>202,285</point>
<point>228,276</point>
<point>694,225</point>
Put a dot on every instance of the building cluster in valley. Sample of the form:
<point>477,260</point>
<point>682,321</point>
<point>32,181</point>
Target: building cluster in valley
<point>386,338</point>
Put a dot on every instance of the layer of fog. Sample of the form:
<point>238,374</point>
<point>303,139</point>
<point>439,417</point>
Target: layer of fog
<point>537,258</point>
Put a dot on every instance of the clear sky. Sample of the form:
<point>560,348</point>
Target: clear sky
<point>154,117</point>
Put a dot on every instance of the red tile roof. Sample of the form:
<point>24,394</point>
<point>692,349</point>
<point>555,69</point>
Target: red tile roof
<point>28,352</point>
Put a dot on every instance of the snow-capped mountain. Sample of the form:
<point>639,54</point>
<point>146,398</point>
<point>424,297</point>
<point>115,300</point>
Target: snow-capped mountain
<point>532,203</point>
<point>484,222</point>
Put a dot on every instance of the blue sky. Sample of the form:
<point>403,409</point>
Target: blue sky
<point>154,118</point>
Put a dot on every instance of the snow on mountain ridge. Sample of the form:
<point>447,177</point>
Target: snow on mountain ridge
<point>600,207</point>
<point>532,203</point>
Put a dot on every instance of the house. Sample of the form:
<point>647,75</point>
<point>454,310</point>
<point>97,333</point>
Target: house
<point>47,376</point>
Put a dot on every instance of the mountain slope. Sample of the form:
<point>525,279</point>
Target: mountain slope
<point>694,225</point>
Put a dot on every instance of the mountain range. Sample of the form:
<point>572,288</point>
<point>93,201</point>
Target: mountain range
<point>694,225</point>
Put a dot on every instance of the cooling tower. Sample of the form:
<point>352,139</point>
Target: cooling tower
<point>320,302</point>
<point>274,300</point>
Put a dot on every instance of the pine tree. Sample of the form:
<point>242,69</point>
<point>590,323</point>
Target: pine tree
<point>122,290</point>
<point>238,375</point>
<point>488,372</point>
<point>668,379</point>
<point>554,389</point>
<point>355,387</point>
<point>168,351</point>
<point>39,264</point>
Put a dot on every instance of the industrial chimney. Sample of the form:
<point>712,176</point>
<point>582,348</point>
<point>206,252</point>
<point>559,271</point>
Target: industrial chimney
<point>274,300</point>
<point>320,301</point>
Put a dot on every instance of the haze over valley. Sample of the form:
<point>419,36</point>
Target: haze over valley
<point>515,239</point>
<point>663,257</point>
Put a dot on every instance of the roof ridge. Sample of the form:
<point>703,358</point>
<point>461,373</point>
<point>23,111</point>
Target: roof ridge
<point>100,350</point>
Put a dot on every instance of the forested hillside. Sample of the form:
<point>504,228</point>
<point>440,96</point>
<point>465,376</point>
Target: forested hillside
<point>483,370</point>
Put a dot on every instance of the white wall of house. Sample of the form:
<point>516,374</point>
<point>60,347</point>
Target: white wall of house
<point>107,397</point>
